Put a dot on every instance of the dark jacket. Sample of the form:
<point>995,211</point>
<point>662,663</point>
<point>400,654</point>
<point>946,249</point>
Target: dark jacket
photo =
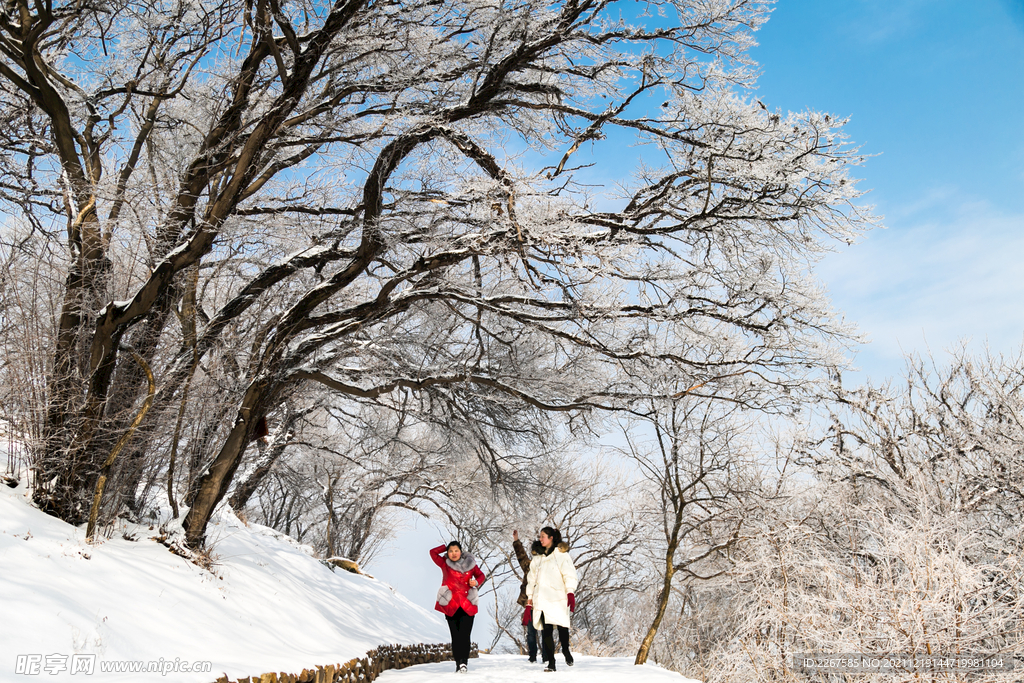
<point>524,562</point>
<point>455,591</point>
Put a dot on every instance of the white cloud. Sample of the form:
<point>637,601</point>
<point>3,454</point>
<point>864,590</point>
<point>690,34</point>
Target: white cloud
<point>949,270</point>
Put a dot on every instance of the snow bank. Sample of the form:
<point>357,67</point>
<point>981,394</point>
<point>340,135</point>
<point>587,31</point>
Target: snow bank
<point>267,604</point>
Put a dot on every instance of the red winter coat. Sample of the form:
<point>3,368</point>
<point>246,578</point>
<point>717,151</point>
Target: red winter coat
<point>457,584</point>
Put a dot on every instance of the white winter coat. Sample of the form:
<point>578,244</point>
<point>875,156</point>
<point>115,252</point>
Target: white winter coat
<point>551,578</point>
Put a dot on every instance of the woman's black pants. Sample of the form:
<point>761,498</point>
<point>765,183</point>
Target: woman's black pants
<point>461,626</point>
<point>531,643</point>
<point>548,641</point>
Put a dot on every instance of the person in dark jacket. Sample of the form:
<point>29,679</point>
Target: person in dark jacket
<point>457,597</point>
<point>524,564</point>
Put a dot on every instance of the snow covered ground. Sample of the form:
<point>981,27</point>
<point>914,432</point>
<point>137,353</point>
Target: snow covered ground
<point>71,611</point>
<point>515,669</point>
<point>267,605</point>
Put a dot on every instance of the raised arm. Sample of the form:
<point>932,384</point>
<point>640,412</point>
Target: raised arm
<point>524,559</point>
<point>437,555</point>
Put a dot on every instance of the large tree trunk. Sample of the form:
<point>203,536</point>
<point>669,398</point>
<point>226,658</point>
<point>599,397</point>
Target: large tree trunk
<point>61,475</point>
<point>215,482</point>
<point>65,473</point>
<point>201,444</point>
<point>273,451</point>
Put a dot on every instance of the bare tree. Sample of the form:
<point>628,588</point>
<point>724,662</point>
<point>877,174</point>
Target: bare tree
<point>900,535</point>
<point>841,573</point>
<point>343,180</point>
<point>358,464</point>
<point>950,428</point>
<point>692,455</point>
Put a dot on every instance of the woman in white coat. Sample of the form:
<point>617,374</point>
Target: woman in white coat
<point>550,589</point>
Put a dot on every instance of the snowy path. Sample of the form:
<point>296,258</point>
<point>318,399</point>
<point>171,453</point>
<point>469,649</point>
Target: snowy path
<point>515,669</point>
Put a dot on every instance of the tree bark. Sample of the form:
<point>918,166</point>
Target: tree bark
<point>279,442</point>
<point>213,485</point>
<point>663,597</point>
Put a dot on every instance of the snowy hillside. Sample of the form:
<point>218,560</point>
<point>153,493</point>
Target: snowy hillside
<point>266,605</point>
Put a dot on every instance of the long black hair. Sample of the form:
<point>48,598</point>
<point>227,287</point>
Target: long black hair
<point>556,538</point>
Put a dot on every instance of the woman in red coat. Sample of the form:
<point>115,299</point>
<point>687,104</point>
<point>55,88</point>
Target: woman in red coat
<point>457,597</point>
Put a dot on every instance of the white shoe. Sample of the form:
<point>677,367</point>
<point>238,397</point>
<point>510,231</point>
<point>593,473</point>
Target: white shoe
<point>463,669</point>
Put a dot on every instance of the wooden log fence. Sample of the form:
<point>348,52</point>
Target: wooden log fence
<point>362,670</point>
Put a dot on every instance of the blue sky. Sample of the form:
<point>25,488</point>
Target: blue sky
<point>935,89</point>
